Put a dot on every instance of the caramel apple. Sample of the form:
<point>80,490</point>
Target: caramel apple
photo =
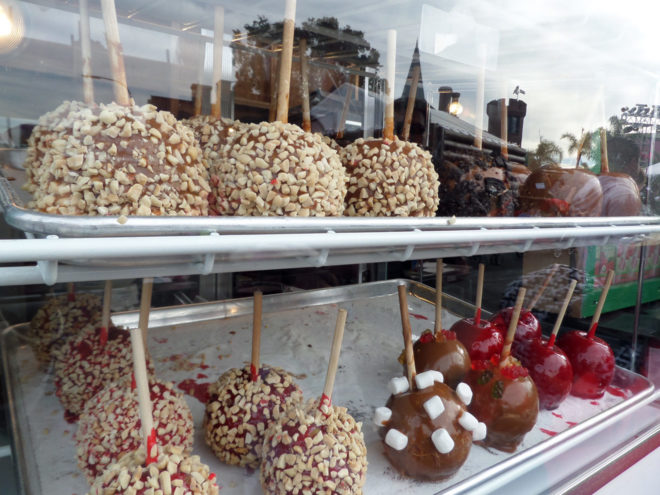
<point>505,399</point>
<point>620,195</point>
<point>443,352</point>
<point>552,191</point>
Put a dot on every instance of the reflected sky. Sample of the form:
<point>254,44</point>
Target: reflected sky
<point>578,61</point>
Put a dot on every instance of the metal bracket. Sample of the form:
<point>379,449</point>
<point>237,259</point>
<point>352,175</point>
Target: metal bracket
<point>409,250</point>
<point>477,245</point>
<point>322,257</point>
<point>209,259</point>
<point>48,268</point>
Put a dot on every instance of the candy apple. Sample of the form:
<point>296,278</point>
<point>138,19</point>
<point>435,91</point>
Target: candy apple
<point>482,340</point>
<point>592,360</point>
<point>551,371</point>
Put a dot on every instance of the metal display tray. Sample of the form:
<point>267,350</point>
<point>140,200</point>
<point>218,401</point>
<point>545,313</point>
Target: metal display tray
<point>44,224</point>
<point>192,345</point>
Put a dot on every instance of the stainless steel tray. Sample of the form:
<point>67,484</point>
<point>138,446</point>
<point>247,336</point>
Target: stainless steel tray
<point>43,224</point>
<point>198,342</point>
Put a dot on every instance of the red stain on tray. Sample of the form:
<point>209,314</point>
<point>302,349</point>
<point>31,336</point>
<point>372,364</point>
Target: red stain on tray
<point>201,375</point>
<point>161,340</point>
<point>199,391</point>
<point>594,403</point>
<point>322,313</point>
<point>557,415</point>
<point>618,392</point>
<point>418,317</point>
<point>571,423</point>
<point>203,366</point>
<point>548,432</point>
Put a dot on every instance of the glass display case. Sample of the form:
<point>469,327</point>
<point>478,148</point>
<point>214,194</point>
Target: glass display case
<point>417,164</point>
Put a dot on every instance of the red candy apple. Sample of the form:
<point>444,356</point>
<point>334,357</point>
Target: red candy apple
<point>527,331</point>
<point>481,340</point>
<point>551,371</point>
<point>592,361</point>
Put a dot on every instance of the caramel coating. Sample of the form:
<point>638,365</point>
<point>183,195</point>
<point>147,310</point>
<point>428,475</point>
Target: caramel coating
<point>110,426</point>
<point>239,411</point>
<point>172,473</point>
<point>509,406</point>
<point>389,178</point>
<point>277,169</point>
<point>115,160</point>
<point>61,318</point>
<point>447,356</point>
<point>420,459</point>
<point>314,450</point>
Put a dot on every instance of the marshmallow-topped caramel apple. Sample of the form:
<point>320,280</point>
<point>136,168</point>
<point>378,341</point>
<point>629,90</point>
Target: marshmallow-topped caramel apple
<point>110,427</point>
<point>273,169</point>
<point>389,178</point>
<point>172,472</point>
<point>60,318</point>
<point>427,432</point>
<point>111,159</point>
<point>443,352</point>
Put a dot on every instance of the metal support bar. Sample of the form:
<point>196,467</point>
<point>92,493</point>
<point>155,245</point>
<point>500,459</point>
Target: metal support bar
<point>209,259</point>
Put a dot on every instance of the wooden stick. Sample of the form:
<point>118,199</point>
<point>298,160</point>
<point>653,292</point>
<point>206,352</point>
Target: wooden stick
<point>604,161</point>
<point>504,128</point>
<point>256,335</point>
<point>304,73</point>
<point>513,325</point>
<point>344,113</point>
<point>540,292</point>
<point>601,303</point>
<point>145,306</point>
<point>480,292</point>
<point>412,95</point>
<point>285,62</point>
<point>218,31</point>
<point>562,313</point>
<point>105,315</point>
<point>326,398</point>
<point>439,265</point>
<point>390,66</point>
<point>86,53</point>
<point>115,52</point>
<point>407,336</point>
<point>144,398</point>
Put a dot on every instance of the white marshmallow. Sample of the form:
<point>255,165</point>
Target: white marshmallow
<point>398,385</point>
<point>442,441</point>
<point>468,421</point>
<point>396,439</point>
<point>479,433</point>
<point>434,407</point>
<point>381,415</point>
<point>464,393</point>
<point>425,379</point>
<point>414,337</point>
<point>438,376</point>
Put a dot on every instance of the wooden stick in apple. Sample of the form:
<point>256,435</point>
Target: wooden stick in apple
<point>390,73</point>
<point>140,373</point>
<point>412,95</point>
<point>105,315</point>
<point>256,335</point>
<point>304,74</point>
<point>218,44</point>
<point>333,363</point>
<point>407,336</point>
<point>71,291</point>
<point>115,52</point>
<point>145,305</point>
<point>344,113</point>
<point>439,266</point>
<point>562,313</point>
<point>601,303</point>
<point>285,62</point>
<point>86,53</point>
<point>513,325</point>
